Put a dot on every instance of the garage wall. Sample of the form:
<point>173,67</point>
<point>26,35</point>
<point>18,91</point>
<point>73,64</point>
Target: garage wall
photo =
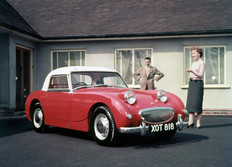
<point>167,57</point>
<point>4,74</point>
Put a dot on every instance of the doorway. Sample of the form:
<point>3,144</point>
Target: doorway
<point>23,76</point>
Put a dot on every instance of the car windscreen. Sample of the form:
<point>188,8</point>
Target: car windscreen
<point>97,79</point>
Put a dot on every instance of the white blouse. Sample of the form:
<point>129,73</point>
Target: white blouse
<point>199,69</point>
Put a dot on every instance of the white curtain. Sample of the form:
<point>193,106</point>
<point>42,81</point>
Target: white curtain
<point>125,65</point>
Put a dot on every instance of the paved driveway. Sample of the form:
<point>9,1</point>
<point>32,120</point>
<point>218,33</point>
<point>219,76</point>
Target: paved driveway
<point>208,147</point>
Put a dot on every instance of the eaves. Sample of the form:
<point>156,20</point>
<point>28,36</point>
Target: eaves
<point>161,35</point>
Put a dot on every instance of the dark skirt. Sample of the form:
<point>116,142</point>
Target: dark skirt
<point>195,96</point>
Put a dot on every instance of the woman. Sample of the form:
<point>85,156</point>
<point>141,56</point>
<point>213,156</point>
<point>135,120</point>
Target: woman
<point>196,87</point>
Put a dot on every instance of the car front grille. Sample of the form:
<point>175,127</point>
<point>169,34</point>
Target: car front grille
<point>157,114</point>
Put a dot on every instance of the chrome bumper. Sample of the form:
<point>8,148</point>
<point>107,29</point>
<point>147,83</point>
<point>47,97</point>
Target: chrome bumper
<point>180,124</point>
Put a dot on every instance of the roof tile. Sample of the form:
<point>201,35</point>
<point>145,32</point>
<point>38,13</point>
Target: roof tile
<point>110,18</point>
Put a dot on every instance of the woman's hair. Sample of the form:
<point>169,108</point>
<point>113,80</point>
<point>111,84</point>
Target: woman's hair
<point>199,50</point>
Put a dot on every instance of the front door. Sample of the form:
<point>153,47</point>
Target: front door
<point>23,76</point>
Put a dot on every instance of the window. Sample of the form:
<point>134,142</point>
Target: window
<point>214,57</point>
<point>130,60</point>
<point>96,79</point>
<point>81,80</point>
<point>59,83</point>
<point>114,80</point>
<point>67,58</point>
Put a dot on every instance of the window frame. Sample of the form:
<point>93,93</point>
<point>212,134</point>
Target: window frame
<point>68,51</point>
<point>185,82</point>
<point>133,85</point>
<point>59,89</point>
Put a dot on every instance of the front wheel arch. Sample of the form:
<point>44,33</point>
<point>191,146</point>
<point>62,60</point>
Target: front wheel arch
<point>103,127</point>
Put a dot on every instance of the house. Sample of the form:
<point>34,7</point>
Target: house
<point>38,36</point>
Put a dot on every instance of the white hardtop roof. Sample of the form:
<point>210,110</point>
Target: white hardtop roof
<point>69,70</point>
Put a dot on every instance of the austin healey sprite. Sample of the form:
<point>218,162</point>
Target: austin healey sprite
<point>97,100</point>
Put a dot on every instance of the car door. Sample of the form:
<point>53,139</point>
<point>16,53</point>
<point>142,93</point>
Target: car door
<point>80,100</point>
<point>58,98</point>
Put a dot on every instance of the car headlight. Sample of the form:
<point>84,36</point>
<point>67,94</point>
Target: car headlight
<point>162,96</point>
<point>130,97</point>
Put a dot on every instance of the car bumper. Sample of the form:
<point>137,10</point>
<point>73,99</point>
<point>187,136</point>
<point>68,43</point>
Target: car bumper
<point>143,128</point>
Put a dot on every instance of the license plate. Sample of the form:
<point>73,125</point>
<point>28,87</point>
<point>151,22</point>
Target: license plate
<point>162,127</point>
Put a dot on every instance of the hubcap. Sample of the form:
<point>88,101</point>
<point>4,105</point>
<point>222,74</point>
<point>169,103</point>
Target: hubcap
<point>101,126</point>
<point>38,118</point>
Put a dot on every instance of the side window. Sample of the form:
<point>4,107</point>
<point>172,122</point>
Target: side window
<point>59,83</point>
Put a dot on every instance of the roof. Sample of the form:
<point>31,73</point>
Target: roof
<point>69,70</point>
<point>75,19</point>
<point>11,19</point>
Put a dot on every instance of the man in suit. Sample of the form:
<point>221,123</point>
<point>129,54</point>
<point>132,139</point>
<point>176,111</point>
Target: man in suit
<point>146,75</point>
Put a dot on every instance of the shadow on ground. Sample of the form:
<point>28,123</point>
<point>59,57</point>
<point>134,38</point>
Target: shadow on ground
<point>19,125</point>
<point>136,140</point>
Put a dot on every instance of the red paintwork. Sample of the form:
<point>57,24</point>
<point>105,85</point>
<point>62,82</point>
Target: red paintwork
<point>73,110</point>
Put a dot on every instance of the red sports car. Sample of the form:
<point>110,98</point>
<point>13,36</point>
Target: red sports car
<point>97,100</point>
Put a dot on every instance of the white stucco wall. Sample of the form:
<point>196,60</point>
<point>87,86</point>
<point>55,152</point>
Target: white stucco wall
<point>167,57</point>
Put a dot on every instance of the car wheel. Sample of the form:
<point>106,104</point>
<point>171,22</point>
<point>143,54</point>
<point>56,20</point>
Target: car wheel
<point>38,118</point>
<point>103,126</point>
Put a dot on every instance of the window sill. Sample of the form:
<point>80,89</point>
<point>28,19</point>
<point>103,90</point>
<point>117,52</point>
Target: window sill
<point>210,87</point>
<point>133,87</point>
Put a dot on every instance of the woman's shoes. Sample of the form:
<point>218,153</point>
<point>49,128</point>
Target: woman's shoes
<point>191,125</point>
